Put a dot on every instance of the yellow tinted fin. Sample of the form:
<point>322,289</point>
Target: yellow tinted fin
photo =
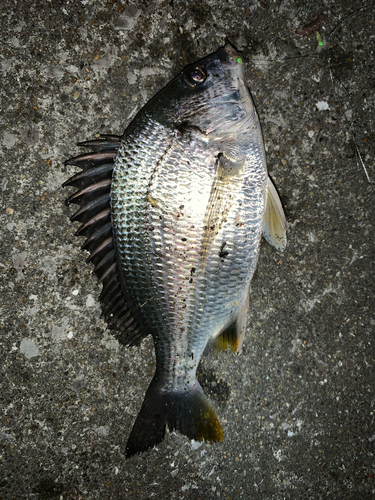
<point>235,334</point>
<point>227,337</point>
<point>207,425</point>
<point>274,221</point>
<point>186,411</point>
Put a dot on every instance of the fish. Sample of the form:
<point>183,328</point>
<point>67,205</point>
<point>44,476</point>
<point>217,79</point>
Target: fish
<point>173,212</point>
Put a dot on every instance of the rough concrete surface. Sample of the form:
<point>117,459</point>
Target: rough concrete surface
<point>298,405</point>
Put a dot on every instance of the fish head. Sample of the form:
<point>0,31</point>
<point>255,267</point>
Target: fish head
<point>210,97</point>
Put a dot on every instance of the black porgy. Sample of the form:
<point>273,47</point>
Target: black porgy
<point>173,213</point>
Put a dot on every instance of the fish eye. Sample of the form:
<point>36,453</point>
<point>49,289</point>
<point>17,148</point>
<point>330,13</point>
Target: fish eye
<point>198,75</point>
<point>195,76</point>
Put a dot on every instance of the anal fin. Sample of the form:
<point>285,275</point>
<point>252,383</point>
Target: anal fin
<point>235,334</point>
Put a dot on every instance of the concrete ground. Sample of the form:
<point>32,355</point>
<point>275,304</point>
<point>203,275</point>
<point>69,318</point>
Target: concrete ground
<point>298,405</point>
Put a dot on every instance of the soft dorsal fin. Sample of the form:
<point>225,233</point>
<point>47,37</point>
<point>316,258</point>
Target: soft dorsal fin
<point>274,221</point>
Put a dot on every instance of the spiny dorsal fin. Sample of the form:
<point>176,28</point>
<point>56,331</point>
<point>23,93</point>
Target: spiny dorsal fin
<point>274,221</point>
<point>93,196</point>
<point>103,143</point>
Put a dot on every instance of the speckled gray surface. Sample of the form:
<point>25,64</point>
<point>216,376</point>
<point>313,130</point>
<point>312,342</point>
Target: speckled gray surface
<point>298,406</point>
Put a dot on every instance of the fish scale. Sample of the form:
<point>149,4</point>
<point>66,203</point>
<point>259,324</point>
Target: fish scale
<point>180,304</point>
<point>173,214</point>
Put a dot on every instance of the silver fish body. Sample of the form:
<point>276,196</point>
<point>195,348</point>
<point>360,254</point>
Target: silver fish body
<point>187,204</point>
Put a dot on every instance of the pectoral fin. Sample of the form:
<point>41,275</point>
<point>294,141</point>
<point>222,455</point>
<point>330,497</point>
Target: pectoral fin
<point>224,189</point>
<point>235,334</point>
<point>274,221</point>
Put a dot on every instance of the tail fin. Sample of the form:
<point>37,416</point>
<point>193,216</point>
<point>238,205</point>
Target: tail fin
<point>188,412</point>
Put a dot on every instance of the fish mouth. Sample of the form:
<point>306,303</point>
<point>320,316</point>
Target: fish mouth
<point>229,55</point>
<point>232,63</point>
<point>231,60</point>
